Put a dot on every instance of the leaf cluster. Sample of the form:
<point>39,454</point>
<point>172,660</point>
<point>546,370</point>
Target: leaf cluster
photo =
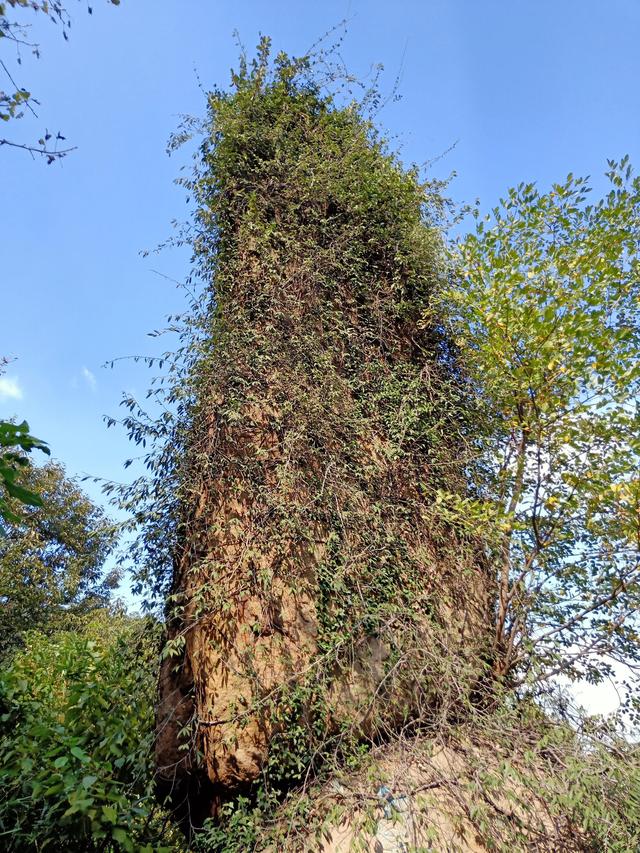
<point>15,441</point>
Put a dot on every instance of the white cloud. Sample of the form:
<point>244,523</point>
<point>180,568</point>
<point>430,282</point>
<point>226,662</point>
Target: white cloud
<point>10,389</point>
<point>89,378</point>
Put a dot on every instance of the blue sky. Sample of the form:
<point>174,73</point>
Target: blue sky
<point>527,91</point>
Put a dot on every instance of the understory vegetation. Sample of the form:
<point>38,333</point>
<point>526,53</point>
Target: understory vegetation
<point>432,443</point>
<point>76,739</point>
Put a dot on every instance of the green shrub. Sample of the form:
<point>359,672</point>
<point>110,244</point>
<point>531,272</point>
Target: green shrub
<point>76,740</point>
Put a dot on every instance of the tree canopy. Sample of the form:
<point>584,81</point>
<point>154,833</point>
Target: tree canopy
<point>545,307</point>
<point>52,558</point>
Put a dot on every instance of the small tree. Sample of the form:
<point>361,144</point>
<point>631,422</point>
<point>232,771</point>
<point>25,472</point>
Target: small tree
<point>546,309</point>
<point>52,558</point>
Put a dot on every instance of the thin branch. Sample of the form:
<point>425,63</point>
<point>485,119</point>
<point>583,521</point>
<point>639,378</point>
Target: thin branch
<point>43,152</point>
<point>18,88</point>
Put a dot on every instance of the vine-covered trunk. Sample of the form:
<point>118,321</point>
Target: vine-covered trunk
<point>318,599</point>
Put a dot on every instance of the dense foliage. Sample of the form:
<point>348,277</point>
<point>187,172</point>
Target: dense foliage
<point>76,740</point>
<point>317,412</point>
<point>77,684</point>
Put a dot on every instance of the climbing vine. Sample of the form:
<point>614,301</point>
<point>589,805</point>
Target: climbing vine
<point>310,415</point>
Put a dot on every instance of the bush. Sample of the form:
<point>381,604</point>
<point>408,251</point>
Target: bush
<point>76,740</point>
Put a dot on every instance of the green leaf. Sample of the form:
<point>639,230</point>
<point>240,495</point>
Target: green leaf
<point>80,754</point>
<point>122,837</point>
<point>23,495</point>
<point>110,814</point>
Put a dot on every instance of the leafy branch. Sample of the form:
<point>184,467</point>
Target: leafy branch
<point>15,441</point>
<point>13,104</point>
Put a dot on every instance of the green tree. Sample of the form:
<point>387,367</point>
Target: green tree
<point>52,558</point>
<point>546,308</point>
